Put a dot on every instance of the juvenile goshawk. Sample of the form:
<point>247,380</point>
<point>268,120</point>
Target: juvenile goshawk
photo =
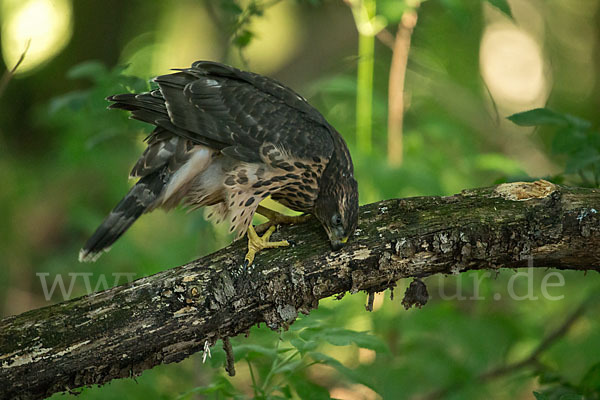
<point>227,139</point>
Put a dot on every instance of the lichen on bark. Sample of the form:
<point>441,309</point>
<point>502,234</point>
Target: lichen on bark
<point>166,317</point>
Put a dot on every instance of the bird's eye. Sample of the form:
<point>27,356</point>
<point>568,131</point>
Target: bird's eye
<point>336,219</point>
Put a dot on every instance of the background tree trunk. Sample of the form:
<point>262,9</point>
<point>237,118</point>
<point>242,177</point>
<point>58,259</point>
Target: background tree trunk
<point>168,316</point>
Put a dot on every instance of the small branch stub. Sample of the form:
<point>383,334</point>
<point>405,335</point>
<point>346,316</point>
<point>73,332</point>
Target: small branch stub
<point>416,294</point>
<point>230,359</point>
<point>370,301</point>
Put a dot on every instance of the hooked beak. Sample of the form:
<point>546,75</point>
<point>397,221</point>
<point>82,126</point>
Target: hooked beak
<point>337,244</point>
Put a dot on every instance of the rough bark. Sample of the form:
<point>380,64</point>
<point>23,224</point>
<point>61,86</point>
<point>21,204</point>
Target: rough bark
<point>166,317</point>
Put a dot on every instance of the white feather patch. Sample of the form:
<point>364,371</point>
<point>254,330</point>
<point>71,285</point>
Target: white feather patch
<point>197,163</point>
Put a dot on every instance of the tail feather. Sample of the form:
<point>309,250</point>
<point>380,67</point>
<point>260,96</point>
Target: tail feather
<point>151,101</point>
<point>141,198</point>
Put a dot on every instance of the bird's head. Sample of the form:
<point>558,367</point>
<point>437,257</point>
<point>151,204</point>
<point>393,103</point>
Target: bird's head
<point>337,204</point>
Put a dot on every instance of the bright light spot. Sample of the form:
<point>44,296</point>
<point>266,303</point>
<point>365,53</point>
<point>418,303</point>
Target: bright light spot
<point>353,392</point>
<point>47,23</point>
<point>366,356</point>
<point>512,66</point>
<point>277,38</point>
<point>379,297</point>
<point>187,34</point>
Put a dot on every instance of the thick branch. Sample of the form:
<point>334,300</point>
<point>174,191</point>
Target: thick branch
<point>166,317</point>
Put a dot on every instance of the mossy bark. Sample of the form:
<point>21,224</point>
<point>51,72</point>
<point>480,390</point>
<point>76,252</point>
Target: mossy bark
<point>168,316</point>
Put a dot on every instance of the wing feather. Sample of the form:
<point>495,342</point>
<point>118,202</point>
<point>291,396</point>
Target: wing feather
<point>244,111</point>
<point>237,112</point>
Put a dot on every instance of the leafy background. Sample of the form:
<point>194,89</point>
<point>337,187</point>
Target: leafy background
<point>64,160</point>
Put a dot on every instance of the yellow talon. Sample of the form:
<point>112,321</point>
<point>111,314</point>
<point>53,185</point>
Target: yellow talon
<point>257,243</point>
<point>275,218</point>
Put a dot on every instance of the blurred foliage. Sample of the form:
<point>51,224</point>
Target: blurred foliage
<point>558,389</point>
<point>502,5</point>
<point>237,19</point>
<point>576,142</point>
<point>64,160</point>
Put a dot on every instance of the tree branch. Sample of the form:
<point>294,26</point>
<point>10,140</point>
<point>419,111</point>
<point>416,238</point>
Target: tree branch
<point>7,76</point>
<point>396,86</point>
<point>168,316</point>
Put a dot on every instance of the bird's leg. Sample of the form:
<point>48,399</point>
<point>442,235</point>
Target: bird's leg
<point>276,218</point>
<point>257,243</point>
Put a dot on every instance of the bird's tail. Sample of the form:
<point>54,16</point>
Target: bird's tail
<point>141,198</point>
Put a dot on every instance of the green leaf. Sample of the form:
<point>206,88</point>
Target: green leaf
<point>503,6</point>
<point>571,397</point>
<point>220,385</point>
<point>459,10</point>
<point>392,10</point>
<point>540,396</point>
<point>332,362</point>
<point>231,7</point>
<point>243,39</point>
<point>545,116</point>
<point>252,351</point>
<point>307,390</point>
<point>548,377</point>
<point>287,392</point>
<point>305,322</point>
<point>289,366</point>
<point>303,346</point>
<point>567,140</point>
<point>74,100</point>
<point>591,381</point>
<point>538,116</point>
<point>87,69</point>
<point>325,359</point>
<point>582,159</point>
<point>577,122</point>
<point>345,337</point>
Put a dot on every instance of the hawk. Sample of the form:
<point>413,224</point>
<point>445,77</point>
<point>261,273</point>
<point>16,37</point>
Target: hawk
<point>227,139</point>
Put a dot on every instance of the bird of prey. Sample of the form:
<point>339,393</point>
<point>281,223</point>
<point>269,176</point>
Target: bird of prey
<point>227,139</point>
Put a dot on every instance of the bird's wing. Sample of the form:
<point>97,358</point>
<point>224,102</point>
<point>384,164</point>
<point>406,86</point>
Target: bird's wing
<point>240,113</point>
